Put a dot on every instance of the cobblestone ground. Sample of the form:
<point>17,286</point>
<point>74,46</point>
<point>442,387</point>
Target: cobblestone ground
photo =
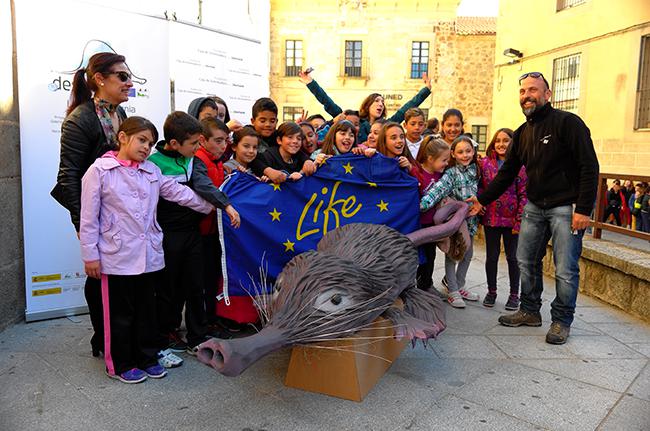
<point>477,375</point>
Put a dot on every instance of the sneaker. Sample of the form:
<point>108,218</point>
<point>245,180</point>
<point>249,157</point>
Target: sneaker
<point>176,343</point>
<point>490,299</point>
<point>557,333</point>
<point>156,371</point>
<point>444,282</point>
<point>455,300</point>
<point>230,325</point>
<point>513,303</point>
<point>168,360</point>
<point>134,375</point>
<point>469,296</point>
<point>520,318</point>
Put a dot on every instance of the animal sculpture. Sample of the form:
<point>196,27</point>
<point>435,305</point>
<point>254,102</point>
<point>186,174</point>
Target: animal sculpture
<point>355,275</point>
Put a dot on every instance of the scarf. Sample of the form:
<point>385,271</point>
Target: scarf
<point>104,111</point>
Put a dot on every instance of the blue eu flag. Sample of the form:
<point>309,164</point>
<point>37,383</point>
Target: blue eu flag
<point>279,221</point>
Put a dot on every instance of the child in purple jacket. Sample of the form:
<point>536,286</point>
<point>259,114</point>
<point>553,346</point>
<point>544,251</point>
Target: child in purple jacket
<point>502,218</point>
<point>121,243</point>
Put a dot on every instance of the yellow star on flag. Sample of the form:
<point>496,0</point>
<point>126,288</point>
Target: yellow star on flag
<point>348,168</point>
<point>288,245</point>
<point>275,215</point>
<point>372,184</point>
<point>383,206</point>
<point>276,187</point>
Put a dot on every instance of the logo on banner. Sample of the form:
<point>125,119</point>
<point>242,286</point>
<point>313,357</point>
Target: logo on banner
<point>92,47</point>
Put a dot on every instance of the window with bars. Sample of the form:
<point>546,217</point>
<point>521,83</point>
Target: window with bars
<point>479,134</point>
<point>353,58</point>
<point>291,113</point>
<point>419,59</point>
<point>566,4</point>
<point>292,57</point>
<point>566,83</point>
<point>643,86</point>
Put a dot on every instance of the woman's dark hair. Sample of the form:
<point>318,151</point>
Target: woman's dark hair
<point>288,128</point>
<point>133,125</point>
<point>219,101</point>
<point>83,84</point>
<point>381,141</point>
<point>490,148</point>
<point>242,133</point>
<point>329,143</point>
<point>365,106</point>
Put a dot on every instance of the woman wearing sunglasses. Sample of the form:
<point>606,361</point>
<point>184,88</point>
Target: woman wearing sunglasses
<point>88,131</point>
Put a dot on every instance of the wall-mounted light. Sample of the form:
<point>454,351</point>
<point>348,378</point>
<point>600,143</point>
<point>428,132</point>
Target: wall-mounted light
<point>513,53</point>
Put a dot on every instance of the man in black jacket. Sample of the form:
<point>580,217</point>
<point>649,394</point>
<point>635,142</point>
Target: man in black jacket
<point>556,149</point>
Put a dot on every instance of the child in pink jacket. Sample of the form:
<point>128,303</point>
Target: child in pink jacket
<point>121,243</point>
<point>502,219</point>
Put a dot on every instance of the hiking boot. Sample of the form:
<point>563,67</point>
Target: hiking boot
<point>513,303</point>
<point>134,375</point>
<point>490,299</point>
<point>156,371</point>
<point>468,296</point>
<point>176,343</point>
<point>520,318</point>
<point>455,300</point>
<point>557,333</point>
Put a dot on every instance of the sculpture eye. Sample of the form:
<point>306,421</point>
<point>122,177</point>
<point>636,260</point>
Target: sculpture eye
<point>333,301</point>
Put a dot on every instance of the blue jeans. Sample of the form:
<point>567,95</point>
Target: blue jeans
<point>457,271</point>
<point>537,227</point>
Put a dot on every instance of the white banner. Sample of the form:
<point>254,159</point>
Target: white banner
<point>209,63</point>
<point>52,43</point>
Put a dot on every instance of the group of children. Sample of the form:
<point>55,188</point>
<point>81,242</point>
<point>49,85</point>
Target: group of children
<point>149,231</point>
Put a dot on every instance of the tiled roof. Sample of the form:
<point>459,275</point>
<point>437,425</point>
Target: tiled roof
<point>476,25</point>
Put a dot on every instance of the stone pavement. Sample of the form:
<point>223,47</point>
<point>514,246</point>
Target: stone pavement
<point>477,376</point>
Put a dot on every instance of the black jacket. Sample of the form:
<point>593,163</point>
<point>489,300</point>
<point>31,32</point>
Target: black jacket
<point>561,164</point>
<point>173,217</point>
<point>82,141</point>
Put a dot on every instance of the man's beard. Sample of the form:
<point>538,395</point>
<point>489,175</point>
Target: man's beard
<point>529,111</point>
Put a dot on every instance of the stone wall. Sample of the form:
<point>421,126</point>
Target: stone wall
<point>12,286</point>
<point>615,274</point>
<point>461,66</point>
<point>475,72</point>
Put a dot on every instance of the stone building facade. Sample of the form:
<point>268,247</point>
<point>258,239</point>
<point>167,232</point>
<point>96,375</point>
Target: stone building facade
<point>396,40</point>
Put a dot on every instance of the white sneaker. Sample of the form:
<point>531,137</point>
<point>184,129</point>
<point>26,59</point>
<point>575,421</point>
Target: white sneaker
<point>469,296</point>
<point>455,300</point>
<point>167,359</point>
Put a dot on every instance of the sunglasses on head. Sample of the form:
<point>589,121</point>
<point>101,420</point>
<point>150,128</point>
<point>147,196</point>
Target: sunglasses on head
<point>535,75</point>
<point>121,75</point>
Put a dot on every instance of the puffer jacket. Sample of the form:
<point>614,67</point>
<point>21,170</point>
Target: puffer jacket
<point>82,142</point>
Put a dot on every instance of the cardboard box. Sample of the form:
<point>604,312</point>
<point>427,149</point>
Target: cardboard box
<point>345,368</point>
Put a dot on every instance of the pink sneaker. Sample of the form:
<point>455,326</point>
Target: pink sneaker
<point>455,300</point>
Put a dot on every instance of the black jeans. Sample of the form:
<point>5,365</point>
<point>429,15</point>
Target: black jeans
<point>493,249</point>
<point>93,294</point>
<point>130,341</point>
<point>212,274</point>
<point>425,270</point>
<point>181,283</point>
<point>615,211</point>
